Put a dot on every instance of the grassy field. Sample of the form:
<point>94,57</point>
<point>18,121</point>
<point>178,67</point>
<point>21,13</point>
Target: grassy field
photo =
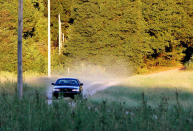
<point>155,87</point>
<point>123,107</point>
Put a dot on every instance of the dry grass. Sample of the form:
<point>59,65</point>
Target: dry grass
<point>182,80</point>
<point>155,86</point>
<point>30,78</point>
<point>9,76</point>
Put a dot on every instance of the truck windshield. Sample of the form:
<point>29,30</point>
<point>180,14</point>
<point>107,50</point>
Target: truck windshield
<point>67,82</point>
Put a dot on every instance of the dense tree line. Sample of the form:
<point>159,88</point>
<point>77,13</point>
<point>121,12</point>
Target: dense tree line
<point>142,33</point>
<point>34,36</point>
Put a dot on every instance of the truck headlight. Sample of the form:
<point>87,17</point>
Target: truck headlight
<point>56,89</point>
<point>75,89</point>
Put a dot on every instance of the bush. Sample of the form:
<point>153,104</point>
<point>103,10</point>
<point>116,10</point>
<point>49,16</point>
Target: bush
<point>189,65</point>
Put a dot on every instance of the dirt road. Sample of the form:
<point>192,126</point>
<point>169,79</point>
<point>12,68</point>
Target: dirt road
<point>93,84</point>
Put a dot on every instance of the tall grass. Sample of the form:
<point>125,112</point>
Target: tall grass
<point>27,76</point>
<point>160,107</point>
<point>33,113</point>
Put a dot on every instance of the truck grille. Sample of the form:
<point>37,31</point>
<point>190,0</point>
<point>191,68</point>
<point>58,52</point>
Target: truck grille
<point>66,90</point>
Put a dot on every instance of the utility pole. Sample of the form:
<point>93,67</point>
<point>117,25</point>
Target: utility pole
<point>49,40</point>
<point>19,50</point>
<point>60,34</point>
<point>63,38</point>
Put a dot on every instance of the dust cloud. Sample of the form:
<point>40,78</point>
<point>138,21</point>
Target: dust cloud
<point>95,77</point>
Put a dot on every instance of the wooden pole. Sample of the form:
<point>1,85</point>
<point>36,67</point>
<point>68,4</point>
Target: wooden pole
<point>63,38</point>
<point>19,50</point>
<point>49,40</point>
<point>60,34</point>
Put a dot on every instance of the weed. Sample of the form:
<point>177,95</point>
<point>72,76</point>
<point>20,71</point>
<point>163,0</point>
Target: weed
<point>33,113</point>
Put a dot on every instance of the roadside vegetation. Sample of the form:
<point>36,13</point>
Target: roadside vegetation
<point>161,101</point>
<point>189,65</point>
<point>33,113</point>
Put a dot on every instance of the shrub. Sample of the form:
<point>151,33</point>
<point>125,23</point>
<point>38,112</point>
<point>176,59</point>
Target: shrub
<point>189,65</point>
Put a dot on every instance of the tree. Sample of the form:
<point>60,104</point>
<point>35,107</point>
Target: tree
<point>110,30</point>
<point>168,28</point>
<point>34,45</point>
<point>143,33</point>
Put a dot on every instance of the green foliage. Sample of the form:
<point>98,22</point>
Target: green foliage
<point>143,33</point>
<point>168,27</point>
<point>107,29</point>
<point>34,36</point>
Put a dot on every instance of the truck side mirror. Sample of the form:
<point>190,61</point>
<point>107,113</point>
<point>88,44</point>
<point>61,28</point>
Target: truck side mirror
<point>53,84</point>
<point>81,84</point>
